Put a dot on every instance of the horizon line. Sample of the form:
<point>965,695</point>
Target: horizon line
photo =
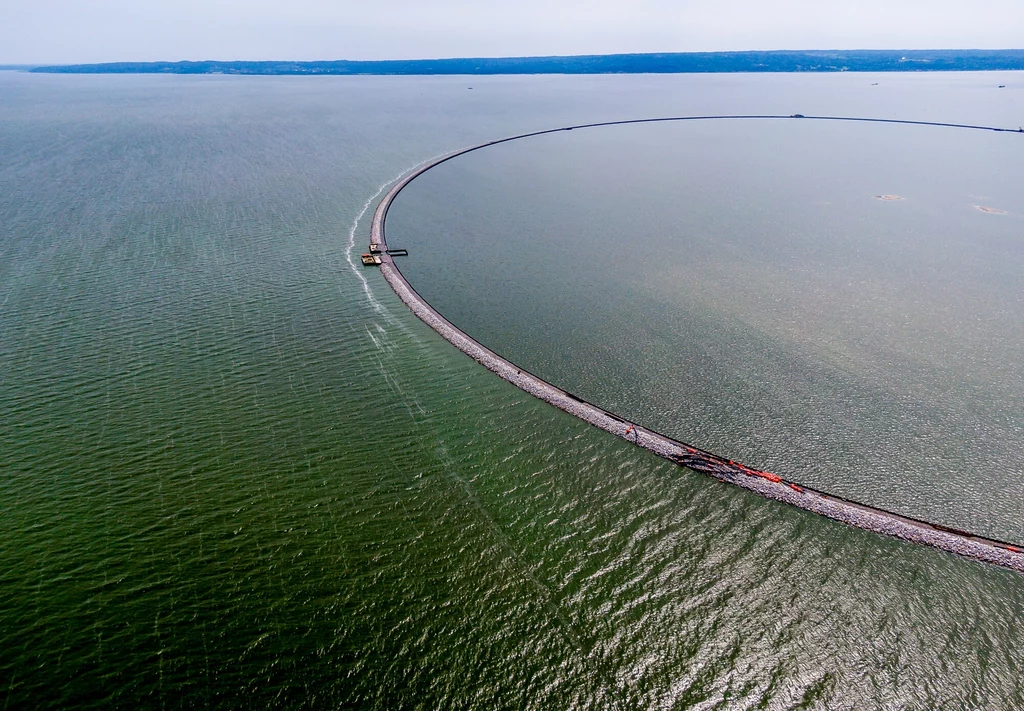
<point>520,57</point>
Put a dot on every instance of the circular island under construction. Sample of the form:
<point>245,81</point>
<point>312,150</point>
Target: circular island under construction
<point>779,485</point>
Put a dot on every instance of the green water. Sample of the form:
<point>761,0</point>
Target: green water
<point>234,475</point>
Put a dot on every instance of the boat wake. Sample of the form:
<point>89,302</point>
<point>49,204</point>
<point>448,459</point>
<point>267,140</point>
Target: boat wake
<point>376,305</point>
<point>352,243</point>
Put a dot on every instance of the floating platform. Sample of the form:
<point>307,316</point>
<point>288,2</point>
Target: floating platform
<point>370,260</point>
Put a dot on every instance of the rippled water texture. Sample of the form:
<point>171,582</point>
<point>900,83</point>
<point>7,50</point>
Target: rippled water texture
<point>234,474</point>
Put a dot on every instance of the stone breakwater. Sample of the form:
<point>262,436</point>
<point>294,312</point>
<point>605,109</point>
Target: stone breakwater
<point>764,483</point>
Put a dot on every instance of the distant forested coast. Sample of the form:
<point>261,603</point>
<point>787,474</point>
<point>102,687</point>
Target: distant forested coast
<point>672,63</point>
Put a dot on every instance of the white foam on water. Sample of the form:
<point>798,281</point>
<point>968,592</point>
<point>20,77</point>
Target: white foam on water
<point>352,243</point>
<point>377,306</point>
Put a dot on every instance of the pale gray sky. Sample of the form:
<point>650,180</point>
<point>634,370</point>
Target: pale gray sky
<point>62,31</point>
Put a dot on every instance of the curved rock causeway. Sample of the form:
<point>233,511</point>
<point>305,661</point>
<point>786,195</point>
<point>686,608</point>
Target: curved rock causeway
<point>767,484</point>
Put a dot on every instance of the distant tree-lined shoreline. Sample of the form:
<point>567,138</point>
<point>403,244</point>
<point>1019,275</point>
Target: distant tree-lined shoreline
<point>671,63</point>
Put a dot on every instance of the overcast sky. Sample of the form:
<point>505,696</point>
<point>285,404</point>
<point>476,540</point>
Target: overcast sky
<point>63,31</point>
